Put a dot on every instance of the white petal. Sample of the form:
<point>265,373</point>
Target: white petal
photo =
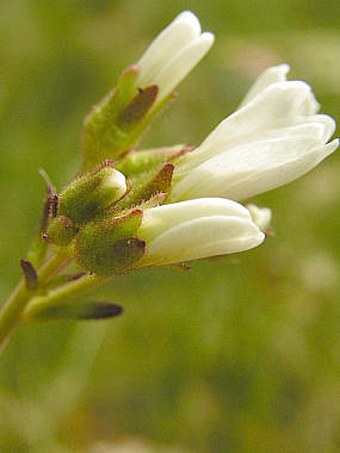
<point>182,63</point>
<point>274,75</point>
<point>115,180</point>
<point>277,106</point>
<point>274,138</point>
<point>267,78</point>
<point>328,125</point>
<point>201,238</point>
<point>180,32</point>
<point>253,168</point>
<point>173,54</point>
<point>173,214</point>
<point>196,229</point>
<point>319,127</point>
<point>280,105</point>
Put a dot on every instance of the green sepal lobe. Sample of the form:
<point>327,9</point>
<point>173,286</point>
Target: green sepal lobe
<point>109,247</point>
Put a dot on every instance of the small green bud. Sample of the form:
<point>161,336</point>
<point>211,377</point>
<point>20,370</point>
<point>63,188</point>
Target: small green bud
<point>89,195</point>
<point>108,247</point>
<point>61,231</point>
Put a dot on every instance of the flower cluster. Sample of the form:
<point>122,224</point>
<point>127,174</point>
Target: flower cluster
<point>187,200</point>
<point>134,208</point>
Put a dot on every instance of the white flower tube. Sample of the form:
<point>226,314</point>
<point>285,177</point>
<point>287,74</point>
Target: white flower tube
<point>173,54</point>
<point>274,138</point>
<point>196,229</point>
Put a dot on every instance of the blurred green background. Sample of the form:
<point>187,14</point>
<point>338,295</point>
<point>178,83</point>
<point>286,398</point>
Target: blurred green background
<point>240,354</point>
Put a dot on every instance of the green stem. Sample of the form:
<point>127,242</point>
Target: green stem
<point>13,308</point>
<point>11,312</point>
<point>63,295</point>
<point>53,265</point>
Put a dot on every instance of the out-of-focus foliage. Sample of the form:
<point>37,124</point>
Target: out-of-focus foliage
<point>239,354</point>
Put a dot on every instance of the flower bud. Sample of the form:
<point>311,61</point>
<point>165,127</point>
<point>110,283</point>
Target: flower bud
<point>90,194</point>
<point>61,231</point>
<point>118,121</point>
<point>173,54</point>
<point>108,247</point>
<point>196,229</point>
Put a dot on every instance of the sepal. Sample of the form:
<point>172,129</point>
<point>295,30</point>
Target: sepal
<point>101,137</point>
<point>149,186</point>
<point>109,247</point>
<point>137,108</point>
<point>136,162</point>
<point>155,200</point>
<point>60,231</point>
<point>117,122</point>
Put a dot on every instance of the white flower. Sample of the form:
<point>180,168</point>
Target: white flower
<point>173,54</point>
<point>196,229</point>
<point>275,137</point>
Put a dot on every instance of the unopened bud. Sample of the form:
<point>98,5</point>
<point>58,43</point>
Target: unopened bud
<point>109,247</point>
<point>196,229</point>
<point>61,231</point>
<point>89,195</point>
